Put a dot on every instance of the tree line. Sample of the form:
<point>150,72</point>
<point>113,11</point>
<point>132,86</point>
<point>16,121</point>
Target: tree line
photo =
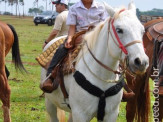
<point>11,3</point>
<point>38,9</point>
<point>18,3</point>
<point>153,12</point>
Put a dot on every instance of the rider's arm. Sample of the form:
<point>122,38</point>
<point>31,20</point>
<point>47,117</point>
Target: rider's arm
<point>71,32</point>
<point>52,35</point>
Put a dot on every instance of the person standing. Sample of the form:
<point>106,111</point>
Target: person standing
<point>60,27</point>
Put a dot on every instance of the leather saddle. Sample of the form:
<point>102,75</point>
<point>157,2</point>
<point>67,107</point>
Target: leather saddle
<point>155,30</point>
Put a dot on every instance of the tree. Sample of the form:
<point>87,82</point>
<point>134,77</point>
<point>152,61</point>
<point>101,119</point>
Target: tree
<point>34,10</point>
<point>46,4</point>
<point>35,3</point>
<point>21,2</point>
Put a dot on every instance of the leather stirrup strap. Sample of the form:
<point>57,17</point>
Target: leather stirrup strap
<point>62,84</point>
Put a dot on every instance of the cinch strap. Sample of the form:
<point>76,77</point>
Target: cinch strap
<point>92,89</point>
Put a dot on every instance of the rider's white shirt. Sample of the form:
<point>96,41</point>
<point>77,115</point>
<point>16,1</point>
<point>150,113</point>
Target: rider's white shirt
<point>83,17</point>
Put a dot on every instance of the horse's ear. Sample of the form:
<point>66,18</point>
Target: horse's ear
<point>109,9</point>
<point>132,6</point>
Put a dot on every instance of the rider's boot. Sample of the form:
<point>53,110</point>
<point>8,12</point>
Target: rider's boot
<point>161,86</point>
<point>49,84</point>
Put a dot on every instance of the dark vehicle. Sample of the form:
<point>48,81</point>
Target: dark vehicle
<point>46,17</point>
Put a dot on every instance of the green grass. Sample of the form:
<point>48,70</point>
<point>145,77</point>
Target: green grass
<point>26,105</point>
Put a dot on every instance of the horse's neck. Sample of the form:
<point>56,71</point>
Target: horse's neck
<point>101,52</point>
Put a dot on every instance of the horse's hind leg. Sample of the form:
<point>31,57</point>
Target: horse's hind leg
<point>5,97</point>
<point>130,110</point>
<point>52,110</point>
<point>61,115</point>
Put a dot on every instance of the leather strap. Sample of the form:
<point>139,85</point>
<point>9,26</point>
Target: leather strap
<point>62,85</point>
<point>103,65</point>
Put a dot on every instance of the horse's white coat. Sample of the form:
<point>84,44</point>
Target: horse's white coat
<point>84,105</point>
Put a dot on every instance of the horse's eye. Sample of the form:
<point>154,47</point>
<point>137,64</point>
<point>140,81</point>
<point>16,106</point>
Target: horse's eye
<point>119,30</point>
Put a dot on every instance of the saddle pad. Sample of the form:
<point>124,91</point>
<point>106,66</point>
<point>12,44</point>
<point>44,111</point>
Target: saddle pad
<point>45,57</point>
<point>68,64</point>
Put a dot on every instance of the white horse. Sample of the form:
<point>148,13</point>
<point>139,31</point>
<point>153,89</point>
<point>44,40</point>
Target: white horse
<point>106,43</point>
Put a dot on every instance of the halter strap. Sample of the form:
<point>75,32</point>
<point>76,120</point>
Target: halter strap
<point>133,42</point>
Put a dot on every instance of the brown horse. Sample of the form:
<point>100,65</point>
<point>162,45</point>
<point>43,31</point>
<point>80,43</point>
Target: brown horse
<point>138,108</point>
<point>8,40</point>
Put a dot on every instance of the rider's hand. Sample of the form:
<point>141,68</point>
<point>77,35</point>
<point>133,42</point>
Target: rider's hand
<point>68,43</point>
<point>45,43</point>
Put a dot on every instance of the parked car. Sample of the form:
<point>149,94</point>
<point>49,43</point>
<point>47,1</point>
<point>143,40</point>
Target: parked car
<point>46,17</point>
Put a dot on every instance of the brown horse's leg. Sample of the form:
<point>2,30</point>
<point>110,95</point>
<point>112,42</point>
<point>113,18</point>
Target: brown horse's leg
<point>4,86</point>
<point>130,110</point>
<point>131,104</point>
<point>5,97</point>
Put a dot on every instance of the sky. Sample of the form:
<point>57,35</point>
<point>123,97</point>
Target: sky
<point>143,5</point>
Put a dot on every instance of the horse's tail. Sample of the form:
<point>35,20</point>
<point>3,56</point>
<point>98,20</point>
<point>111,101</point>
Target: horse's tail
<point>15,51</point>
<point>143,101</point>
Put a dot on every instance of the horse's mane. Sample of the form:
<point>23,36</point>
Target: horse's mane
<point>91,38</point>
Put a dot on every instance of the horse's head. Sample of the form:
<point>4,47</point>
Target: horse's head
<point>126,33</point>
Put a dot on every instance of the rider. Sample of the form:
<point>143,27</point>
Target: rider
<point>81,15</point>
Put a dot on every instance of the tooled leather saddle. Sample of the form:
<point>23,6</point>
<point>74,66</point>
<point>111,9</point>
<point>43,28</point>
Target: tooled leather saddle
<point>154,32</point>
<point>154,29</point>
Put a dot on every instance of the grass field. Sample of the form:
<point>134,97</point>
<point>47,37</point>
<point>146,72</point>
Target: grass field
<point>26,105</point>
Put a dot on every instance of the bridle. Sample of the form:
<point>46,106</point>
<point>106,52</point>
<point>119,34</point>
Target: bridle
<point>120,45</point>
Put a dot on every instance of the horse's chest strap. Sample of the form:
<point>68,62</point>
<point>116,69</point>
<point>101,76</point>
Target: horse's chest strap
<point>92,89</point>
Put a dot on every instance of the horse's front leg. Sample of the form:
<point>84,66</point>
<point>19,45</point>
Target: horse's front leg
<point>51,110</point>
<point>111,117</point>
<point>79,116</point>
<point>112,107</point>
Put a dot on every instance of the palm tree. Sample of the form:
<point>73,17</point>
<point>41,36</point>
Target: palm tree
<point>46,4</point>
<point>35,2</point>
<point>21,2</point>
